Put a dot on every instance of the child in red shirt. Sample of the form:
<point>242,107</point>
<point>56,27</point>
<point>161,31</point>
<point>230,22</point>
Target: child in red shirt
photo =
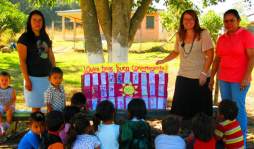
<point>203,130</point>
<point>228,128</point>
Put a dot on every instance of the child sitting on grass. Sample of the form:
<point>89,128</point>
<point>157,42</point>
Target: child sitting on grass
<point>69,112</point>
<point>170,138</point>
<point>106,130</point>
<point>78,99</point>
<point>203,127</point>
<point>54,95</point>
<point>79,134</point>
<point>136,132</point>
<point>228,128</point>
<point>7,101</point>
<point>32,139</point>
<point>54,124</point>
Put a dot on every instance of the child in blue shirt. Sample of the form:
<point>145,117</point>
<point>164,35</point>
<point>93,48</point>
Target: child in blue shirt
<point>32,140</point>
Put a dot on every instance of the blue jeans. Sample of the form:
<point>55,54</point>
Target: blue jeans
<point>232,91</point>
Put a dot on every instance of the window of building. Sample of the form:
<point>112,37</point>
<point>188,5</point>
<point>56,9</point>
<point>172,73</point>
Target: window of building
<point>149,22</point>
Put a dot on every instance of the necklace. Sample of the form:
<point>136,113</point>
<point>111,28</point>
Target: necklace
<point>185,52</point>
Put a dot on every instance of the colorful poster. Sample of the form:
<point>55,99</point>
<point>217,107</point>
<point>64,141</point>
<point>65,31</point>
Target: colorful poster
<point>87,80</point>
<point>153,103</point>
<point>119,78</point>
<point>103,78</point>
<point>95,79</point>
<point>120,83</point>
<point>152,78</point>
<point>127,101</point>
<point>120,103</point>
<point>135,77</point>
<point>111,78</point>
<point>161,103</point>
<point>94,103</point>
<point>127,77</point>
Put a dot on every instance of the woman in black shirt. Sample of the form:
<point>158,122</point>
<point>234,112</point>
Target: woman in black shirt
<point>36,60</point>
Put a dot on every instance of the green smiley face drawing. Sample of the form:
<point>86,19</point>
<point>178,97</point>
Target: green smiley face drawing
<point>129,90</point>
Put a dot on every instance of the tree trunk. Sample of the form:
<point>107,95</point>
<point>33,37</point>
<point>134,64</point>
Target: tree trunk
<point>121,11</point>
<point>137,18</point>
<point>118,26</point>
<point>105,18</point>
<point>93,44</point>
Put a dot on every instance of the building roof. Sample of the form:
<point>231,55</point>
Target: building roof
<point>74,14</point>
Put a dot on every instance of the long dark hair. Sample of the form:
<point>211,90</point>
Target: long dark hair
<point>79,125</point>
<point>197,28</point>
<point>29,30</point>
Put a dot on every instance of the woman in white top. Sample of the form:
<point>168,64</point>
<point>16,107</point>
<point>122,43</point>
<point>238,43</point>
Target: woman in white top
<point>195,47</point>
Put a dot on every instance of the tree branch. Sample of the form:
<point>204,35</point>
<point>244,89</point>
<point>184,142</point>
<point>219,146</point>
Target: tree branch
<point>105,17</point>
<point>137,19</point>
<point>91,27</point>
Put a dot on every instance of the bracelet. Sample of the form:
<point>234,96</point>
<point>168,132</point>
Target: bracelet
<point>203,73</point>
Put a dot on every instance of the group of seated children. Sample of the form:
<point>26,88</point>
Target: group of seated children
<point>69,126</point>
<point>72,129</point>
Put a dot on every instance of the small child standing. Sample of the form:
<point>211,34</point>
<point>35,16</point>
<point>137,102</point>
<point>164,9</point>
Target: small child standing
<point>203,128</point>
<point>228,128</point>
<point>32,138</point>
<point>169,138</point>
<point>79,134</point>
<point>78,99</point>
<point>136,133</point>
<point>54,95</point>
<point>7,101</point>
<point>106,130</point>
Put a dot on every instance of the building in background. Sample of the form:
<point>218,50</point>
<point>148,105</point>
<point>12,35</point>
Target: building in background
<point>151,28</point>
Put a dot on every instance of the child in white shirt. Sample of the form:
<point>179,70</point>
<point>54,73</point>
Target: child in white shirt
<point>169,138</point>
<point>106,130</point>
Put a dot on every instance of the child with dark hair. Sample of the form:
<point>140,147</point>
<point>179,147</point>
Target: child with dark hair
<point>79,134</point>
<point>68,112</point>
<point>106,130</point>
<point>54,124</point>
<point>79,100</point>
<point>136,133</point>
<point>54,95</point>
<point>203,129</point>
<point>228,128</point>
<point>32,139</point>
<point>170,138</point>
<point>7,101</point>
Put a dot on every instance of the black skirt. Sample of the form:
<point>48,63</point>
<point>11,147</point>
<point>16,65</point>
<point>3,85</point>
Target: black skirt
<point>190,98</point>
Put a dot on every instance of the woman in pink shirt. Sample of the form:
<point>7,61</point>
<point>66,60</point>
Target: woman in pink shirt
<point>234,62</point>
